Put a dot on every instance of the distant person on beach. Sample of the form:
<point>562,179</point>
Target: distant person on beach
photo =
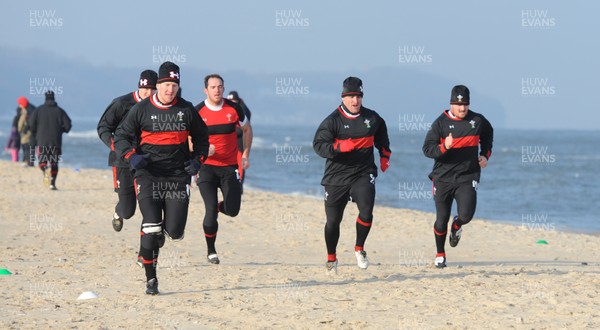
<point>346,138</point>
<point>14,140</point>
<point>233,96</point>
<point>47,124</point>
<point>153,139</point>
<point>26,110</point>
<point>220,170</point>
<point>460,142</point>
<point>107,126</point>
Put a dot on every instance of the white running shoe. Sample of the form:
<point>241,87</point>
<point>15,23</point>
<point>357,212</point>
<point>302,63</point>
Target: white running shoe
<point>213,259</point>
<point>331,267</point>
<point>361,259</point>
<point>440,262</point>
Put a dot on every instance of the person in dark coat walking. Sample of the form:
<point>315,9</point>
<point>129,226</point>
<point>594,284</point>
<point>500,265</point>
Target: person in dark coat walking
<point>47,124</point>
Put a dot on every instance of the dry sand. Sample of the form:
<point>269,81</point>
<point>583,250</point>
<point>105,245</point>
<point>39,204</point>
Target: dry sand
<point>59,244</point>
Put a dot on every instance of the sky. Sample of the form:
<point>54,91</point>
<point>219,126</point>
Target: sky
<point>538,58</point>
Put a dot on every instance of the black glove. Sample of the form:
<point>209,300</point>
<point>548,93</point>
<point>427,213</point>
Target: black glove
<point>192,166</point>
<point>138,161</point>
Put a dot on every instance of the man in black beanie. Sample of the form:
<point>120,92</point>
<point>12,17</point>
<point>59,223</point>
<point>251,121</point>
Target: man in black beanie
<point>153,140</point>
<point>347,138</point>
<point>112,117</point>
<point>460,141</point>
<point>47,124</point>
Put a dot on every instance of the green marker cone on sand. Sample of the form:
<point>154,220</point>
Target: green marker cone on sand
<point>542,241</point>
<point>4,271</point>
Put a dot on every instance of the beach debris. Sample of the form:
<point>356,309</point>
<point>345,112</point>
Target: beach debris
<point>87,295</point>
<point>4,271</point>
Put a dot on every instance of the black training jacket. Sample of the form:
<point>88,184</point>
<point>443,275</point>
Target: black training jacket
<point>460,163</point>
<point>162,132</point>
<point>111,118</point>
<point>367,130</point>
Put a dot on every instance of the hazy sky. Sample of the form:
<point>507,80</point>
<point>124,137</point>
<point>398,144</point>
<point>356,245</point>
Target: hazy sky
<point>539,58</point>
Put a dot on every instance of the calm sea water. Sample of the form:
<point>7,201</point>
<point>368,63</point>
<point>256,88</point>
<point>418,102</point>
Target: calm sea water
<point>540,180</point>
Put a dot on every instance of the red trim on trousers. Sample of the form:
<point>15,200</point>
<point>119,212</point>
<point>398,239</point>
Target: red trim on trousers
<point>439,234</point>
<point>114,170</point>
<point>366,224</point>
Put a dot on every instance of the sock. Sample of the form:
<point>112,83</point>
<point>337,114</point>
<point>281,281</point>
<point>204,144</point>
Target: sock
<point>456,225</point>
<point>210,242</point>
<point>440,240</point>
<point>362,231</point>
<point>331,257</point>
<point>150,269</point>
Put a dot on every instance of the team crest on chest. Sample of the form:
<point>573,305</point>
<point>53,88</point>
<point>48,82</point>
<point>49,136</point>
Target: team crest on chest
<point>180,116</point>
<point>472,122</point>
<point>367,123</point>
<point>228,117</point>
<point>153,117</point>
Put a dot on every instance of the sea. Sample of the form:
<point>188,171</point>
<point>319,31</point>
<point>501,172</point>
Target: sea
<point>539,180</point>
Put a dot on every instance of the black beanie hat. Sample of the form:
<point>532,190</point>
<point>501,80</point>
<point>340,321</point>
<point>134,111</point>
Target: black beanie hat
<point>49,96</point>
<point>460,95</point>
<point>352,86</point>
<point>233,95</point>
<point>168,71</point>
<point>148,79</point>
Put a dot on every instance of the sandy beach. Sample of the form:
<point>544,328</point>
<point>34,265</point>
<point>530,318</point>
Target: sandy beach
<point>59,244</point>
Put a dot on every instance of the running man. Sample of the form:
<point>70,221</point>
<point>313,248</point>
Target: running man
<point>220,170</point>
<point>460,142</point>
<point>153,139</point>
<point>346,139</point>
<point>112,117</point>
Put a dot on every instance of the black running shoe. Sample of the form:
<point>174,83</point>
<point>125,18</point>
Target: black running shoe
<point>152,287</point>
<point>454,234</point>
<point>117,222</point>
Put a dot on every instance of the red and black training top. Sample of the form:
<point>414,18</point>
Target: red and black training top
<point>366,130</point>
<point>111,118</point>
<point>460,163</point>
<point>222,121</point>
<point>161,131</point>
